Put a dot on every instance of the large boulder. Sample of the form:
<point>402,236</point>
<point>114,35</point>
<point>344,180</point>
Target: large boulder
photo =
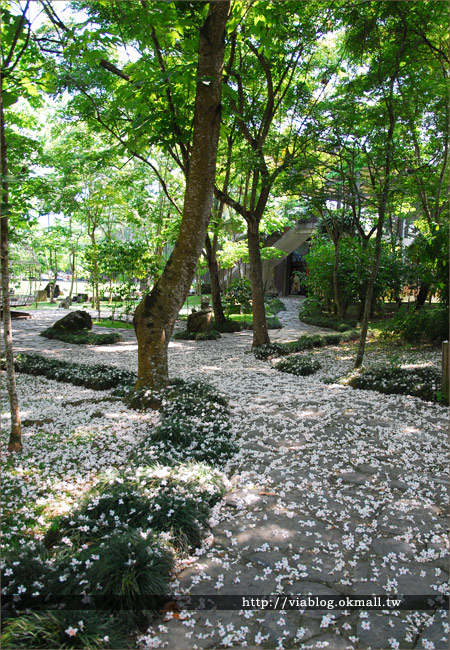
<point>74,321</point>
<point>200,321</point>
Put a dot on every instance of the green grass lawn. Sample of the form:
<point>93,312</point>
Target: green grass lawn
<point>115,324</point>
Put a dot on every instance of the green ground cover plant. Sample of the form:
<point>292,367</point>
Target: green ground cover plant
<point>423,382</point>
<point>306,342</point>
<point>184,335</point>
<point>123,537</point>
<point>299,365</point>
<point>44,630</point>
<point>82,337</point>
<point>95,376</point>
<point>194,423</point>
<point>329,322</point>
<point>274,305</point>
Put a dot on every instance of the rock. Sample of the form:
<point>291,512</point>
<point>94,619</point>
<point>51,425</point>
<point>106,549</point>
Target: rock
<point>65,304</point>
<point>74,322</point>
<point>20,315</point>
<point>41,295</point>
<point>200,321</point>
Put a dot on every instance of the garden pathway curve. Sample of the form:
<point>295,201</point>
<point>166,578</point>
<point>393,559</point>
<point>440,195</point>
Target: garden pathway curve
<point>335,491</point>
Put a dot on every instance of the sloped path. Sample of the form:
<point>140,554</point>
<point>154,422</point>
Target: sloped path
<point>336,491</point>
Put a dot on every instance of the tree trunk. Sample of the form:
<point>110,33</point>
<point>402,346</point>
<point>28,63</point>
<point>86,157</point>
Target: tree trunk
<point>72,281</point>
<point>260,333</point>
<point>155,315</point>
<point>369,292</point>
<point>337,295</point>
<point>53,287</point>
<point>15,439</point>
<point>422,296</point>
<point>213,268</point>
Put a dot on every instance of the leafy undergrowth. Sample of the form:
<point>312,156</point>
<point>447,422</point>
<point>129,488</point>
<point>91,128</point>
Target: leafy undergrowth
<point>246,321</point>
<point>306,342</point>
<point>82,337</point>
<point>330,322</point>
<point>95,376</point>
<point>123,534</point>
<point>274,305</point>
<point>423,382</point>
<point>298,364</point>
<point>197,336</point>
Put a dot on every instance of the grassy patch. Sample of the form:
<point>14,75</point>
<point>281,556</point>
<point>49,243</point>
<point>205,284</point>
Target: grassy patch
<point>113,324</point>
<point>82,337</point>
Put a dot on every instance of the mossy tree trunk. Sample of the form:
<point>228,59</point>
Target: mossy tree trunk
<point>155,315</point>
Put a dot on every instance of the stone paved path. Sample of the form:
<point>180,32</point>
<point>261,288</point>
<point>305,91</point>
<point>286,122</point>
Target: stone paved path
<point>335,492</point>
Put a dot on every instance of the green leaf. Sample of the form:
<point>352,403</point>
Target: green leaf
<point>9,98</point>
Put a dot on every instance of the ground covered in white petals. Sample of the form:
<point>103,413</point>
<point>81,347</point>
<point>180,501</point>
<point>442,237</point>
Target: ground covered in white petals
<point>335,491</point>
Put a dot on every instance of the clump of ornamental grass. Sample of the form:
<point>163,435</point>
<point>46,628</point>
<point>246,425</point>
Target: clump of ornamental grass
<point>423,382</point>
<point>194,426</point>
<point>185,335</point>
<point>193,395</point>
<point>83,337</point>
<point>131,564</point>
<point>118,507</point>
<point>299,365</point>
<point>64,629</point>
<point>26,570</point>
<point>95,376</point>
<point>306,342</point>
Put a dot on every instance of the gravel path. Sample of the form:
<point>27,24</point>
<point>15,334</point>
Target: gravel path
<point>335,492</point>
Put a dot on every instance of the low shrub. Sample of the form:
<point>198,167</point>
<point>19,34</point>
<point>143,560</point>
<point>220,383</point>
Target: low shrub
<point>306,342</point>
<point>126,564</point>
<point>246,322</point>
<point>82,337</point>
<point>298,365</point>
<point>169,500</point>
<point>238,294</point>
<point>423,382</point>
<point>193,394</point>
<point>426,325</point>
<point>197,336</point>
<point>228,327</point>
<point>274,305</point>
<point>64,629</point>
<point>328,322</point>
<point>96,376</point>
<point>194,424</point>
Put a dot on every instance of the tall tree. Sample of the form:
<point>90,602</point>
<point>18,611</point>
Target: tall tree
<point>18,56</point>
<point>269,95</point>
<point>155,315</point>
